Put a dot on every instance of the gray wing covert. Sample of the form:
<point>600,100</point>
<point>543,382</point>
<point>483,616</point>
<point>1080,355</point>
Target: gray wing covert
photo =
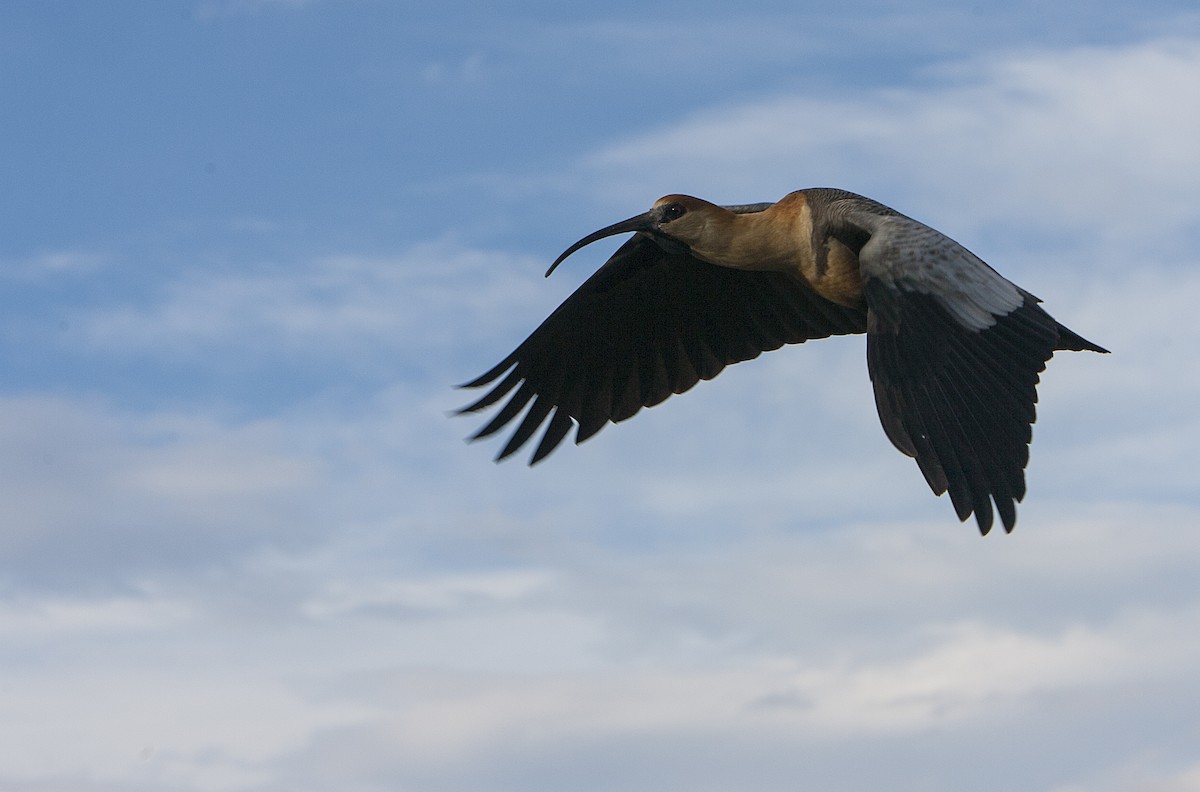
<point>954,353</point>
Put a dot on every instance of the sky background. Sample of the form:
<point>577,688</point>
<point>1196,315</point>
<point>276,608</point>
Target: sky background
<point>247,247</point>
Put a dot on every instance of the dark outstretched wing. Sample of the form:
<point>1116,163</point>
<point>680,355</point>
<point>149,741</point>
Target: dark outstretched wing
<point>647,324</point>
<point>955,352</point>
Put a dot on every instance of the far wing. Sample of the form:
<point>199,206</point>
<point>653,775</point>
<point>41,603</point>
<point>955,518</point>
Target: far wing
<point>647,324</point>
<point>954,352</point>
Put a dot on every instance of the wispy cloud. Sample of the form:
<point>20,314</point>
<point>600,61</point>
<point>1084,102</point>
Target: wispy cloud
<point>402,311</point>
<point>26,618</point>
<point>96,497</point>
<point>52,264</point>
<point>475,679</point>
<point>220,9</point>
<point>1089,140</point>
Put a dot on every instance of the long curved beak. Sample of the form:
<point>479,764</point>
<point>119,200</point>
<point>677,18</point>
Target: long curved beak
<point>643,222</point>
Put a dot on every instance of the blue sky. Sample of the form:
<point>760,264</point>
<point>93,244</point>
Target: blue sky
<point>249,245</point>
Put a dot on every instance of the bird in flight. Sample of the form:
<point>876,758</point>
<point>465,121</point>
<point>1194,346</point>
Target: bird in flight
<point>954,349</point>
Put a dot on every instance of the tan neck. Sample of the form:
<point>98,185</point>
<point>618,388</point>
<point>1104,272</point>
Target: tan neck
<point>778,238</point>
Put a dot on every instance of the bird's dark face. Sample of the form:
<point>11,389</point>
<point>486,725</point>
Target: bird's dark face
<point>672,222</point>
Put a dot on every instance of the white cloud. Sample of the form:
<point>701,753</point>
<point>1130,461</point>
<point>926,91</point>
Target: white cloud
<point>91,494</point>
<point>472,69</point>
<point>1187,780</point>
<point>51,264</point>
<point>147,727</point>
<point>222,9</point>
<point>410,310</point>
<point>1090,140</point>
<point>448,593</point>
<point>807,645</point>
<point>25,617</point>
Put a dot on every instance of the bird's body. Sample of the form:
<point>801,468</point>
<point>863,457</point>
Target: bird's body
<point>954,350</point>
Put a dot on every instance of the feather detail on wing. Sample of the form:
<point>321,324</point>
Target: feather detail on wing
<point>647,324</point>
<point>954,352</point>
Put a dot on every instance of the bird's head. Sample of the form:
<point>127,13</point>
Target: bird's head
<point>678,223</point>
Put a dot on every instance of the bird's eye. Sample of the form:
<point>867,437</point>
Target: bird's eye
<point>673,211</point>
